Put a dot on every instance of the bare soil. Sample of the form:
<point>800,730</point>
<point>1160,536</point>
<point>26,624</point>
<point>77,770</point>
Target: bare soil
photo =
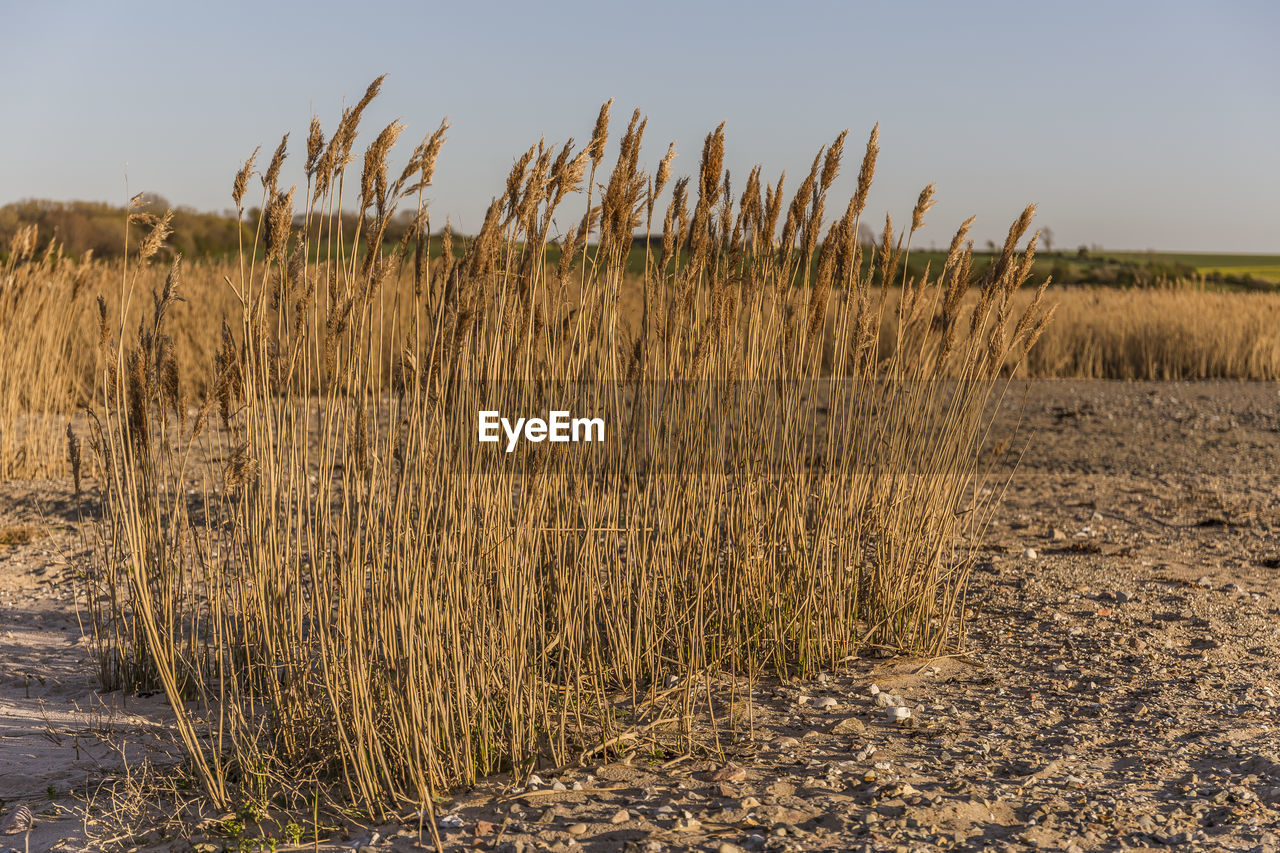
<point>1119,689</point>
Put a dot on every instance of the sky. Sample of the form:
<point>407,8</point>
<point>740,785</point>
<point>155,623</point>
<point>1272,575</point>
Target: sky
<point>1132,125</point>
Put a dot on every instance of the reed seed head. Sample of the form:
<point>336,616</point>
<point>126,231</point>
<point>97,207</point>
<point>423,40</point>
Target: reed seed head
<point>315,147</point>
<point>923,203</point>
<point>664,170</point>
<point>272,176</point>
<point>241,182</point>
<point>831,165</point>
<point>600,135</point>
<point>867,173</point>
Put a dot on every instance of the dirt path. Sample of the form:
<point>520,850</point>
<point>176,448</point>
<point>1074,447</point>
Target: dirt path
<point>1122,687</point>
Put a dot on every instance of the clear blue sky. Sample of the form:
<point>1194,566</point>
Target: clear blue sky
<point>1132,124</point>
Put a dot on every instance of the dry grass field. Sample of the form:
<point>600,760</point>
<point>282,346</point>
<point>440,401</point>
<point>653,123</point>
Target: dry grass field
<point>50,323</point>
<point>337,609</point>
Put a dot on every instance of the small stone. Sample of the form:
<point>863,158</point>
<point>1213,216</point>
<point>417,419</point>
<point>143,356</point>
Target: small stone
<point>450,821</point>
<point>849,726</point>
<point>1204,581</point>
<point>884,700</point>
<point>786,743</point>
<point>898,713</point>
<point>1030,554</point>
<point>558,786</point>
<point>1057,535</point>
<point>1097,516</point>
<point>750,803</point>
<point>578,829</point>
<point>729,773</point>
<point>726,847</point>
<point>484,827</point>
<point>688,823</point>
<point>620,816</point>
<point>873,689</point>
<point>534,779</point>
<point>825,703</point>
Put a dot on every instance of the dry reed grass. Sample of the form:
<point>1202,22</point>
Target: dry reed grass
<point>38,296</point>
<point>330,578</point>
<point>1161,334</point>
<point>49,327</point>
<point>47,310</point>
<point>48,314</point>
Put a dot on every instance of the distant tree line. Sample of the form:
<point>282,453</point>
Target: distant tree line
<point>81,226</point>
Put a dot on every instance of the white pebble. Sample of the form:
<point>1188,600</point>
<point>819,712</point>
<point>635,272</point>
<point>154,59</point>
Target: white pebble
<point>898,713</point>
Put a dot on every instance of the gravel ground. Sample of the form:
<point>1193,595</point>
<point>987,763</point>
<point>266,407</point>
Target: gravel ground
<point>1118,689</point>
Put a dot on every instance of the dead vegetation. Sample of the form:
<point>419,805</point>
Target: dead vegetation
<point>331,580</point>
<point>1161,334</point>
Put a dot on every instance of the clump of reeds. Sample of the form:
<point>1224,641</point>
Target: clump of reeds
<point>331,573</point>
<point>49,328</point>
<point>40,292</point>
<point>1161,334</point>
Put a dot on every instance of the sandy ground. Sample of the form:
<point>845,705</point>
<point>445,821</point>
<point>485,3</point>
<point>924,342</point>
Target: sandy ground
<point>1120,689</point>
